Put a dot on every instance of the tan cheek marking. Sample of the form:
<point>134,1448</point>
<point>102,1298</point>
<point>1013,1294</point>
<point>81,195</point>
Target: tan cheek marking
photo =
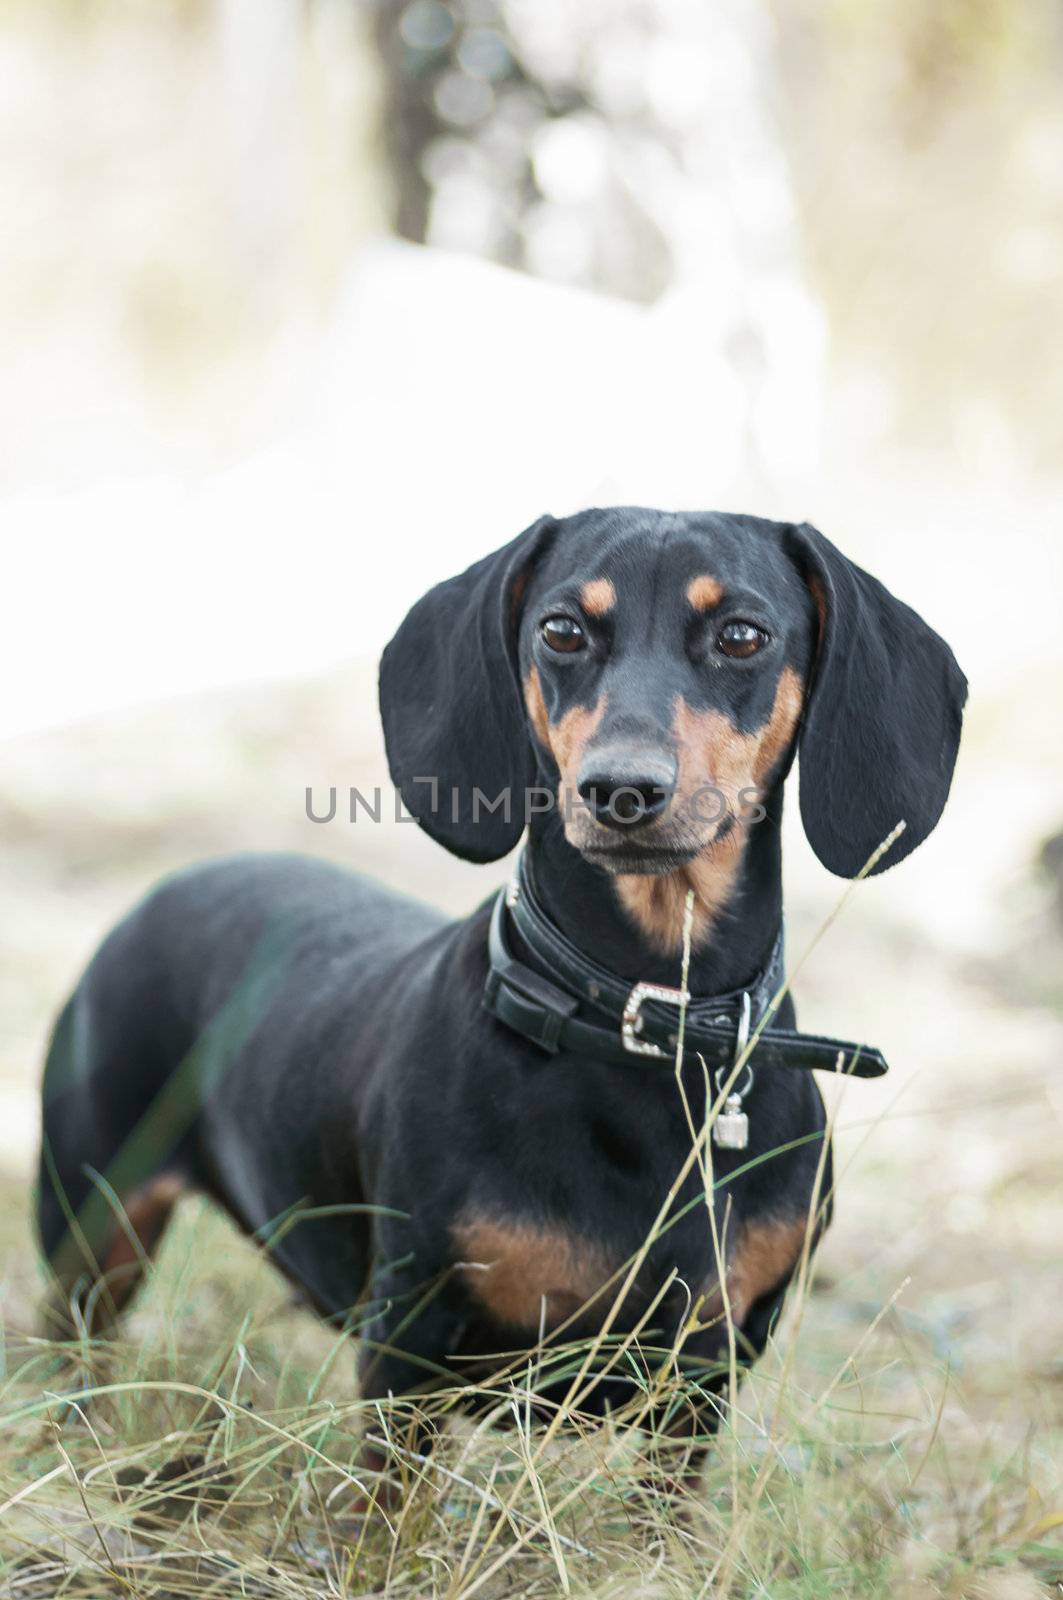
<point>776,737</point>
<point>704,592</point>
<point>713,751</point>
<point>598,597</point>
<point>567,738</point>
<point>511,1267</point>
<point>571,735</point>
<point>533,699</point>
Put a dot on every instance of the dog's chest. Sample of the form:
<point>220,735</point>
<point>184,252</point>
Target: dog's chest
<point>529,1275</point>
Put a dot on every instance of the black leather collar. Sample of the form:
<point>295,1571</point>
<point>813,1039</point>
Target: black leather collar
<point>582,1009</point>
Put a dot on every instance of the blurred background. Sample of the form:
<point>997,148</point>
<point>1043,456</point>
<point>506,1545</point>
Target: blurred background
<point>305,304</point>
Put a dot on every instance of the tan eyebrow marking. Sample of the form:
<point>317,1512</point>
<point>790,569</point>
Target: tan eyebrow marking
<point>704,592</point>
<point>598,597</point>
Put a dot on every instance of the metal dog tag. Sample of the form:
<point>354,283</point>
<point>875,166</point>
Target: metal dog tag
<point>730,1131</point>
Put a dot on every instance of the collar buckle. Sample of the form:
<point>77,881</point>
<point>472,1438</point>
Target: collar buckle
<point>631,1022</point>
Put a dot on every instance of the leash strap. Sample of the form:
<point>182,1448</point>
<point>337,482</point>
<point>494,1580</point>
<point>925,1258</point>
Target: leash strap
<point>582,1009</point>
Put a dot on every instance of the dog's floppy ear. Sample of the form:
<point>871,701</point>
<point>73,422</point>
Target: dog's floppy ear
<point>882,726</point>
<point>450,700</point>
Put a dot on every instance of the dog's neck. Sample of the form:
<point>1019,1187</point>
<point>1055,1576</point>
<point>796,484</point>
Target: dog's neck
<point>734,928</point>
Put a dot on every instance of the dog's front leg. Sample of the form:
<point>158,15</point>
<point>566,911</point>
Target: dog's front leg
<point>404,1354</point>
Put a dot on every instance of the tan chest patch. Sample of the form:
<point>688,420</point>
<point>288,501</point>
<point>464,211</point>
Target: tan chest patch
<point>515,1268</point>
<point>765,1254</point>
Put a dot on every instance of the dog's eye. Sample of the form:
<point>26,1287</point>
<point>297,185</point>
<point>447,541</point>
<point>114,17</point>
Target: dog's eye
<point>741,639</point>
<point>561,633</point>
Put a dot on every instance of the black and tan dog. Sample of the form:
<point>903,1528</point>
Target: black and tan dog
<point>467,1129</point>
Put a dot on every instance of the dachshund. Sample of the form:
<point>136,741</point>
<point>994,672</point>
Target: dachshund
<point>479,1134</point>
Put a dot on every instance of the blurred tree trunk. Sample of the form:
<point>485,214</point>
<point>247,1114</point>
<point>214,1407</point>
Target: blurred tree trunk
<point>460,109</point>
<point>627,146</point>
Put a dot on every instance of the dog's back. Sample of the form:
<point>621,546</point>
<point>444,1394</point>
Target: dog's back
<point>216,955</point>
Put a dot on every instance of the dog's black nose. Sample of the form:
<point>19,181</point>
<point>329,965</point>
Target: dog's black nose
<point>627,794</point>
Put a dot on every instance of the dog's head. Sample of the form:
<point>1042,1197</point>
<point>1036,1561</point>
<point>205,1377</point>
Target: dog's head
<point>652,675</point>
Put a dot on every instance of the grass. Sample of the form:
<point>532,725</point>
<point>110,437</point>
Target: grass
<point>213,1451</point>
